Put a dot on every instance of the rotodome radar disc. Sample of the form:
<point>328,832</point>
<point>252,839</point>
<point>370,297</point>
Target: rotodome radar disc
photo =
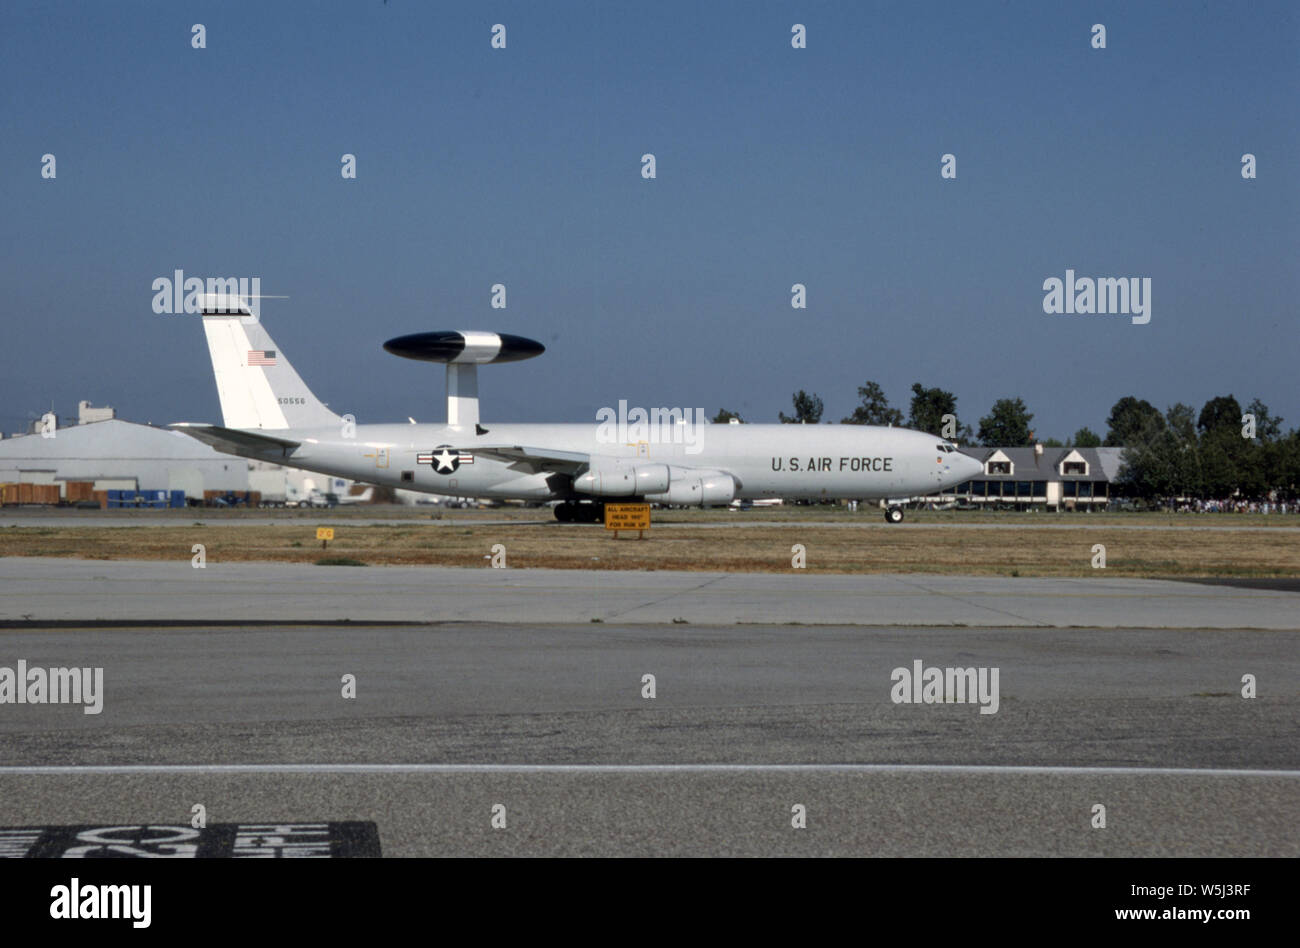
<point>464,347</point>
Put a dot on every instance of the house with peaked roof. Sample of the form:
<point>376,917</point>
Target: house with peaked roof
<point>1055,478</point>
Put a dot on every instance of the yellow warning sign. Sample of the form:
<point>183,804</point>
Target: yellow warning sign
<point>324,533</point>
<point>627,516</point>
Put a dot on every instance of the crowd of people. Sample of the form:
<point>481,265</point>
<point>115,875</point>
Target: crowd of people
<point>1236,506</point>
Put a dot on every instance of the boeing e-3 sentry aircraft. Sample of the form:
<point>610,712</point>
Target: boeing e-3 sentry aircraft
<point>268,414</point>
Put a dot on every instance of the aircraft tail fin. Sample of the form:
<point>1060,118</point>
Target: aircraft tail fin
<point>257,385</point>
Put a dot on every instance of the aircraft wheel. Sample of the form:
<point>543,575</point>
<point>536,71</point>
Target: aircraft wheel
<point>894,515</point>
<point>564,512</point>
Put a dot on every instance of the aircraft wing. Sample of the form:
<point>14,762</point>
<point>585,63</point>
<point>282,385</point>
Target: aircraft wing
<point>540,459</point>
<point>234,441</point>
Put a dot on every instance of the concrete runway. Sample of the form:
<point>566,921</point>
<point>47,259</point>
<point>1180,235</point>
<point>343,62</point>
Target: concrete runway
<point>548,720</point>
<point>55,589</point>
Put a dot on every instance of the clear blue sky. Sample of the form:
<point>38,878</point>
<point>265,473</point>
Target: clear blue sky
<point>775,166</point>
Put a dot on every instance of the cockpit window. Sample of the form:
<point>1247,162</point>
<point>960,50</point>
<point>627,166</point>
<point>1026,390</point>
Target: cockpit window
<point>946,448</point>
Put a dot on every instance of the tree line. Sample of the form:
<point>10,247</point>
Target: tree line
<point>1220,452</point>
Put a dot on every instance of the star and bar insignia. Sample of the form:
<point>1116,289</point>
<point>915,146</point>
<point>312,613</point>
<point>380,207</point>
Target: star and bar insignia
<point>445,459</point>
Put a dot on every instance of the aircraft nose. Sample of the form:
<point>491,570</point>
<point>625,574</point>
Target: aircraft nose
<point>970,467</point>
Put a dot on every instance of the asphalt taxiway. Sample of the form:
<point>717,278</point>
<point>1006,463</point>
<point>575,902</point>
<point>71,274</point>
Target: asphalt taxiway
<point>550,721</point>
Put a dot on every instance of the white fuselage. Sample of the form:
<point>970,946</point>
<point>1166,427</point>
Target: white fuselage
<point>788,461</point>
<point>659,456</point>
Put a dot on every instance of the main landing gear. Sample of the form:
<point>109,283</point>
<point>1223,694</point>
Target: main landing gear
<point>894,514</point>
<point>570,512</point>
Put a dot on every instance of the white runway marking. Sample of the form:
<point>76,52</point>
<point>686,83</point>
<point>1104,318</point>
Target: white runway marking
<point>953,769</point>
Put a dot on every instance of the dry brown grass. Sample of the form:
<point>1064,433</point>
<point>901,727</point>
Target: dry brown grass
<point>1044,551</point>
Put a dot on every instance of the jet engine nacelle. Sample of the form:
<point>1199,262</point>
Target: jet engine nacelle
<point>624,481</point>
<point>696,489</point>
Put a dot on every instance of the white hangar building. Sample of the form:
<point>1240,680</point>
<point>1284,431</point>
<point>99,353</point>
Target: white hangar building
<point>119,455</point>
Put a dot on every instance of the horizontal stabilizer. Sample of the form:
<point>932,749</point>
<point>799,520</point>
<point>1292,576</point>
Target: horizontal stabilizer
<point>233,441</point>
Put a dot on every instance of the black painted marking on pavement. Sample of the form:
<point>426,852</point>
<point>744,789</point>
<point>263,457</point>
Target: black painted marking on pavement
<point>271,840</point>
